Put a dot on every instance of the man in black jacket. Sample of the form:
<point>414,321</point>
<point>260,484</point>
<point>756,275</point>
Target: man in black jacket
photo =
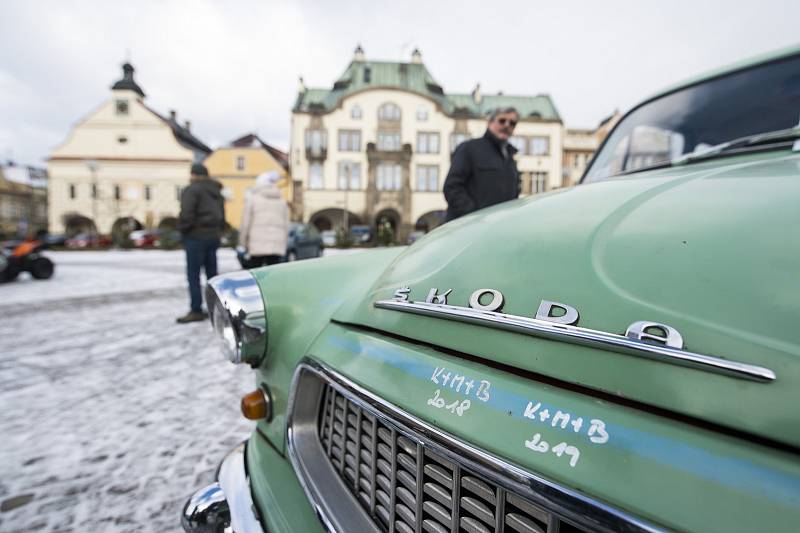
<point>483,171</point>
<point>201,223</point>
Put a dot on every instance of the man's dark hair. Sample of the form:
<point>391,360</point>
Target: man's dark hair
<point>503,111</point>
<point>199,170</point>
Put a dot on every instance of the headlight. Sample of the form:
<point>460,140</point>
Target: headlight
<point>238,316</point>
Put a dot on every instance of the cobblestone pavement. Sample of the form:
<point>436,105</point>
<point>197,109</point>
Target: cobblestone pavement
<point>112,414</point>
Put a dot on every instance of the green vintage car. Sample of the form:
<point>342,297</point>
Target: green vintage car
<point>618,356</point>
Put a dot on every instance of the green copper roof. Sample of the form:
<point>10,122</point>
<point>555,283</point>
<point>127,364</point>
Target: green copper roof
<point>414,77</point>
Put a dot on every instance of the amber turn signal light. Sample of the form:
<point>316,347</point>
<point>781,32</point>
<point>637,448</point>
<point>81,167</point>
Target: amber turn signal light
<point>256,405</point>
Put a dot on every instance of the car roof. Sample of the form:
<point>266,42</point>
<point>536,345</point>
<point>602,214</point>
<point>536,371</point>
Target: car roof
<point>721,71</point>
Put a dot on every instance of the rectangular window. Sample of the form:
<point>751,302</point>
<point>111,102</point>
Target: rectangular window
<point>427,177</point>
<point>316,141</point>
<point>240,163</point>
<point>538,182</point>
<point>427,142</point>
<point>72,191</point>
<point>388,177</point>
<point>389,141</point>
<point>519,143</point>
<point>540,145</point>
<point>94,190</point>
<point>147,192</point>
<point>121,106</point>
<point>349,140</point>
<point>315,178</point>
<point>349,175</point>
<point>456,139</point>
<point>117,192</point>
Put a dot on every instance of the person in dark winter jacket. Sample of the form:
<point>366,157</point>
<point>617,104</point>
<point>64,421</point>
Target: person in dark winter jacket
<point>201,223</point>
<point>483,171</point>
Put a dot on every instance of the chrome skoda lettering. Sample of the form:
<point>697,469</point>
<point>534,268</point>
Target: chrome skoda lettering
<point>401,294</point>
<point>642,339</point>
<point>434,298</point>
<point>570,316</point>
<point>643,330</point>
<point>495,305</point>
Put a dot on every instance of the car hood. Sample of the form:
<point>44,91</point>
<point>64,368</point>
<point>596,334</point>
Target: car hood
<point>710,249</point>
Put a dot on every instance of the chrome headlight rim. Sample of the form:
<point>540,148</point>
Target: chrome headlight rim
<point>238,316</point>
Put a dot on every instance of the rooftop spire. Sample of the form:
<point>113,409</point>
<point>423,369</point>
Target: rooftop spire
<point>127,82</point>
<point>416,56</point>
<point>358,55</point>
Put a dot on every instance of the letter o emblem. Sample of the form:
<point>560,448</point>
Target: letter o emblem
<point>495,305</point>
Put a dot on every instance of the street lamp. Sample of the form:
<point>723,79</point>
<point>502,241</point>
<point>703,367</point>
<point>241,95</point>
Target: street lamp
<point>92,165</point>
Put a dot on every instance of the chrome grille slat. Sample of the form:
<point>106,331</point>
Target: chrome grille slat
<point>408,487</point>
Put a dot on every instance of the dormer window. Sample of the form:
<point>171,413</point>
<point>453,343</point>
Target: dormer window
<point>389,111</point>
<point>122,107</point>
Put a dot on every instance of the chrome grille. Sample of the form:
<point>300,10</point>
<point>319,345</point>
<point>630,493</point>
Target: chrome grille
<point>408,488</point>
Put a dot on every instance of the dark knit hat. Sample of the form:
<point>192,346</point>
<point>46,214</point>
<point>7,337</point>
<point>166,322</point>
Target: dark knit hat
<point>199,170</point>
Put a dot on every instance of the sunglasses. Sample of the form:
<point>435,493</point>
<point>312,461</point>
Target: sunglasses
<point>504,121</point>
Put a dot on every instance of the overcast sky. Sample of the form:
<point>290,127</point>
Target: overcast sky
<point>232,67</point>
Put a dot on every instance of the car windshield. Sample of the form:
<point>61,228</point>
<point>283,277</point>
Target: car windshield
<point>747,102</point>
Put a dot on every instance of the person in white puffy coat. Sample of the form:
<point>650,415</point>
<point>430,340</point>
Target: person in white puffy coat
<point>265,222</point>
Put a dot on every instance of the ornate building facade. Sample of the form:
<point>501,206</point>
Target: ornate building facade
<point>123,165</point>
<point>377,144</point>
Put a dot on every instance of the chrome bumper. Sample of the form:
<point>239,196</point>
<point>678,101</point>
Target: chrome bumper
<point>225,505</point>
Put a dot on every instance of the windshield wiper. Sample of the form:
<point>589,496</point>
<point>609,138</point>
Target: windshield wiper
<point>769,137</point>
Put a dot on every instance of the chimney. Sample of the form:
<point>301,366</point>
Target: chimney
<point>416,56</point>
<point>188,126</point>
<point>173,115</point>
<point>358,55</point>
<point>301,86</point>
<point>476,94</point>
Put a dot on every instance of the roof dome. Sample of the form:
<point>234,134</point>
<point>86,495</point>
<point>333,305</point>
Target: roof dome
<point>127,83</point>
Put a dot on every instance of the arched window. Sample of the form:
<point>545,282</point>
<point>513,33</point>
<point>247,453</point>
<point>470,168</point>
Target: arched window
<point>389,111</point>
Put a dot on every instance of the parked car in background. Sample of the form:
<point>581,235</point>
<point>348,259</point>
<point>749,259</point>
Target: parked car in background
<point>56,240</point>
<point>328,237</point>
<point>618,356</point>
<point>361,234</point>
<point>88,240</point>
<point>143,238</point>
<point>304,242</point>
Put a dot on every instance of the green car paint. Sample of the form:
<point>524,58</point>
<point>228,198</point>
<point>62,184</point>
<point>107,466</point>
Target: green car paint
<point>654,246</point>
<point>709,248</point>
<point>668,472</point>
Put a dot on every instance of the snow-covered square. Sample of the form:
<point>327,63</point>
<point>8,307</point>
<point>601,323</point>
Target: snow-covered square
<point>112,414</point>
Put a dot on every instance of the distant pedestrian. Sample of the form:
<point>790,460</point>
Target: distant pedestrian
<point>265,222</point>
<point>201,223</point>
<point>483,171</point>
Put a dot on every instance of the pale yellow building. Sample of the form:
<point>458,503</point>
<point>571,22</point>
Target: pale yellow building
<point>123,165</point>
<point>23,200</point>
<point>236,167</point>
<point>378,143</point>
<point>580,145</point>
